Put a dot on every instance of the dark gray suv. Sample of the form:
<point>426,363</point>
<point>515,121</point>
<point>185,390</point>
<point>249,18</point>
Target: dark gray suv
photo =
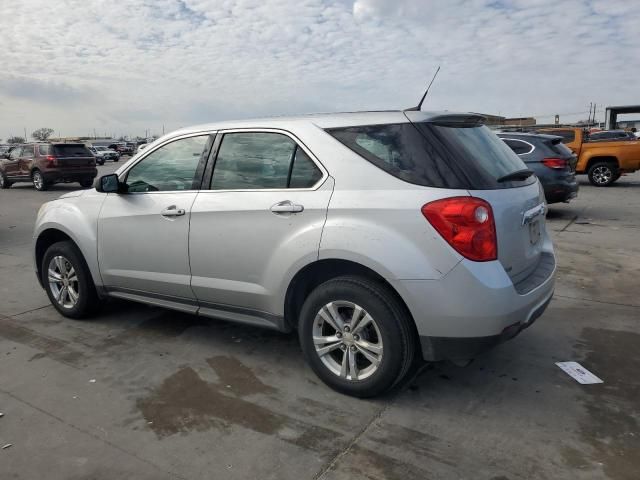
<point>553,163</point>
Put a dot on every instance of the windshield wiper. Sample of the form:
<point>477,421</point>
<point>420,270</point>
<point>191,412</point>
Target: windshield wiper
<point>517,175</point>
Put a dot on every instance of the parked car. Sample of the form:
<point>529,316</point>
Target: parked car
<point>608,135</point>
<point>103,154</point>
<point>379,236</point>
<point>604,162</point>
<point>552,162</point>
<point>47,163</point>
<point>4,149</point>
<point>122,148</point>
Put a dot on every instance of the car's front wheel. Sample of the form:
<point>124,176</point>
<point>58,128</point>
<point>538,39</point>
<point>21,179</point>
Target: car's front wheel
<point>67,280</point>
<point>4,182</point>
<point>602,174</point>
<point>86,182</point>
<point>356,336</point>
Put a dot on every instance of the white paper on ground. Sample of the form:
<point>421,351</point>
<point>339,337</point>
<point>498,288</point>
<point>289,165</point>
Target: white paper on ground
<point>579,373</point>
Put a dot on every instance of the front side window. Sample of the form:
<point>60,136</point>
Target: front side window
<point>172,167</point>
<point>15,153</point>
<point>262,160</point>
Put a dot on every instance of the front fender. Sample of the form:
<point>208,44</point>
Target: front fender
<point>80,224</point>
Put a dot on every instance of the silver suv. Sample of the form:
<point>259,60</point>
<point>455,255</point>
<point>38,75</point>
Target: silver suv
<point>380,237</point>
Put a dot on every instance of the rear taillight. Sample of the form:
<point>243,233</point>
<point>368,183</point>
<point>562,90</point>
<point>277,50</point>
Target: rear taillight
<point>555,163</point>
<point>467,224</point>
<point>52,161</point>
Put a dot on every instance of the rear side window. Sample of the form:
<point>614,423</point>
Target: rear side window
<point>262,160</point>
<point>27,151</point>
<point>442,156</point>
<point>71,150</point>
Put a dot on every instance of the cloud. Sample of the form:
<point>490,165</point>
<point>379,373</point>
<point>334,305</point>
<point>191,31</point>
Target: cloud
<point>176,62</point>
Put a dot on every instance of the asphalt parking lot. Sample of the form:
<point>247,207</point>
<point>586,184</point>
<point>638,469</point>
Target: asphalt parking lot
<point>145,393</point>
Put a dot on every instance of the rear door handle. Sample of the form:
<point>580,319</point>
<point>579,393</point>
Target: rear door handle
<point>286,207</point>
<point>172,211</point>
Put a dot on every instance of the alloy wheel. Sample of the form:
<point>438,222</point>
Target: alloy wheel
<point>38,181</point>
<point>347,340</point>
<point>63,282</point>
<point>602,175</point>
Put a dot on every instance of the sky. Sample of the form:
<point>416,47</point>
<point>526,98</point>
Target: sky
<point>130,66</point>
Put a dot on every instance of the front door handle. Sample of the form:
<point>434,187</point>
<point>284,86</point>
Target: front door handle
<point>173,211</point>
<point>286,207</point>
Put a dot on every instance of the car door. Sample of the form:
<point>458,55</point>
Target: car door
<point>12,164</point>
<point>26,160</point>
<point>260,219</point>
<point>143,232</point>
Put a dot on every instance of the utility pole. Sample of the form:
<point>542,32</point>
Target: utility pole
<point>25,134</point>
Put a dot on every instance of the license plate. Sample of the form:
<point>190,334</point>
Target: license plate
<point>534,232</point>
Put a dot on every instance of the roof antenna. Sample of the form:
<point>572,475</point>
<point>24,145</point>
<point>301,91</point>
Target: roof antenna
<point>417,108</point>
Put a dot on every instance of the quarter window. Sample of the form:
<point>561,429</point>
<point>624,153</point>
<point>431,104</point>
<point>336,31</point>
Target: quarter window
<point>262,160</point>
<point>44,149</point>
<point>172,167</point>
<point>518,146</point>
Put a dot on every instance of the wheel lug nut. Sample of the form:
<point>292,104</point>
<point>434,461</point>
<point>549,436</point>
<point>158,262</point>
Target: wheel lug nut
<point>356,337</point>
<point>339,334</point>
<point>346,328</point>
<point>343,347</point>
<point>353,348</point>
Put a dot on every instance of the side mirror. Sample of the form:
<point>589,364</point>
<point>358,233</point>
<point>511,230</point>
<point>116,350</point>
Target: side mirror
<point>108,184</point>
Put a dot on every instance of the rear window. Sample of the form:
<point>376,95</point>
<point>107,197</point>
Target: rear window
<point>432,155</point>
<point>568,136</point>
<point>71,150</point>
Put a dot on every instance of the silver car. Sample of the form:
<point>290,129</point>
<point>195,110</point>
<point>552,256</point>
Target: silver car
<point>381,237</point>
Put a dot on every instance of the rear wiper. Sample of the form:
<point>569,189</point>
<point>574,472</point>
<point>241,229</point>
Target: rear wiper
<point>517,175</point>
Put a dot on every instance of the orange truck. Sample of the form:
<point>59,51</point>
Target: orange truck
<point>603,162</point>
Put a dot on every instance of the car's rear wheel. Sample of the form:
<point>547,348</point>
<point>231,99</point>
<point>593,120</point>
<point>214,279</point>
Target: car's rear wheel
<point>356,336</point>
<point>67,280</point>
<point>602,174</point>
<point>38,181</point>
<point>86,182</point>
<point>4,182</point>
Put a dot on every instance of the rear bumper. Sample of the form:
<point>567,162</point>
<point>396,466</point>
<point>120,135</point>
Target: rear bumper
<point>475,306</point>
<point>74,175</point>
<point>562,191</point>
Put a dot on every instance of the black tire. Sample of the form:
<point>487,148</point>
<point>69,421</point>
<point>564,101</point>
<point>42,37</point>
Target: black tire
<point>39,182</point>
<point>617,177</point>
<point>4,182</point>
<point>87,300</point>
<point>101,162</point>
<point>86,182</point>
<point>391,319</point>
<point>116,159</point>
<point>602,174</point>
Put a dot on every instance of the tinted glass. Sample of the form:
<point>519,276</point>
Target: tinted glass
<point>44,149</point>
<point>71,150</point>
<point>435,155</point>
<point>170,168</point>
<point>27,151</point>
<point>304,173</point>
<point>255,160</point>
<point>568,136</point>
<point>519,147</point>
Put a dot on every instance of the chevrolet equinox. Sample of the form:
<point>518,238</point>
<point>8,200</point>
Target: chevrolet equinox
<point>381,237</point>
